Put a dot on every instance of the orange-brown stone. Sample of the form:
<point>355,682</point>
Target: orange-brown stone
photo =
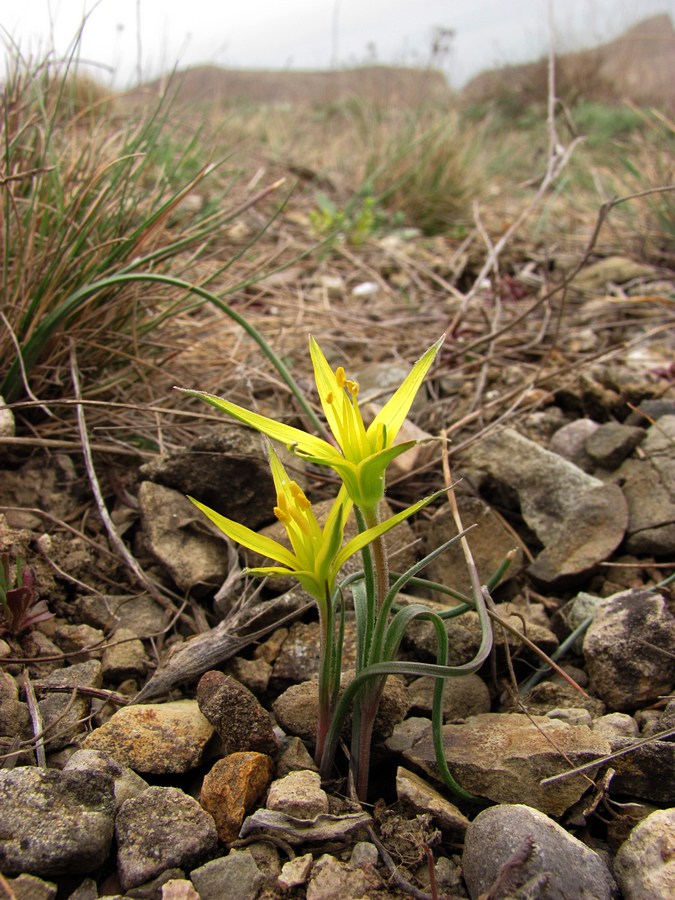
<point>232,787</point>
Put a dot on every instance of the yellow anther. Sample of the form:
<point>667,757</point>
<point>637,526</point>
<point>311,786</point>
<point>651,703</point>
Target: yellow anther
<point>281,515</point>
<point>329,397</point>
<point>344,382</point>
<point>299,497</point>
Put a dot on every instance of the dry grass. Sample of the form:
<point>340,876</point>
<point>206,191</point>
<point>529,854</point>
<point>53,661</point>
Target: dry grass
<point>94,198</point>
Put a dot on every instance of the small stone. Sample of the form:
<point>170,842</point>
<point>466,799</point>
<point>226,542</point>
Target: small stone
<point>645,862</point>
<point>253,674</point>
<point>364,854</point>
<point>126,783</point>
<point>124,657</point>
<point>160,829</point>
<point>54,823</point>
<point>179,889</point>
<point>237,716</point>
<point>67,712</point>
<point>298,794</point>
<point>234,875</point>
<point>621,651</point>
<point>331,878</point>
<point>462,697</point>
<point>616,725</point>
<point>541,855</point>
<point>155,738</point>
<point>293,757</point>
<point>295,872</point>
<point>296,709</point>
<point>414,792</point>
<point>231,788</point>
<point>177,537</point>
<point>28,887</point>
<point>647,771</point>
<point>570,442</point>
<point>611,443</point>
<point>72,638</point>
<point>504,757</point>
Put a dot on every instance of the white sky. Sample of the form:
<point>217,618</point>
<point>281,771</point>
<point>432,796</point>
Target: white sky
<point>125,38</point>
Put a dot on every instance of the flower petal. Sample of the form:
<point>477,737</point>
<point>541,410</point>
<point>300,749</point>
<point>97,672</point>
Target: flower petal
<point>397,408</point>
<point>365,537</point>
<point>259,543</point>
<point>299,441</point>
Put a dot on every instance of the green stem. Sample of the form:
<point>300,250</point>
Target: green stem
<point>379,553</point>
<point>327,687</point>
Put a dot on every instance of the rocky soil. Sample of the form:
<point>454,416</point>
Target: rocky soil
<point>156,730</point>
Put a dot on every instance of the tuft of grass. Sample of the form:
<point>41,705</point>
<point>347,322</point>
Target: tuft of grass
<point>87,194</point>
<point>422,167</point>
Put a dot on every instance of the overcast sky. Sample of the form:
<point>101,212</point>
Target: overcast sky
<point>125,38</point>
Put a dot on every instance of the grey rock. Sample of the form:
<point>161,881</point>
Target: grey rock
<point>179,537</point>
<point>579,520</point>
<point>295,872</point>
<point>490,541</point>
<point>414,793</point>
<point>465,635</point>
<point>28,887</point>
<point>553,864</point>
<point>296,710</point>
<point>616,725</point>
<point>649,487</point>
<point>331,878</point>
<point>645,862</point>
<point>650,411</point>
<point>625,667</point>
<point>234,875</point>
<point>612,442</point>
<point>235,713</point>
<point>647,771</point>
<point>87,889</point>
<point>298,794</point>
<point>14,718</point>
<point>293,757</point>
<point>54,823</point>
<point>570,442</point>
<point>364,854</point>
<point>126,783</point>
<point>254,674</point>
<point>227,470</point>
<point>504,757</point>
<point>549,695</point>
<point>125,657</point>
<point>139,613</point>
<point>153,889</point>
<point>61,708</point>
<point>160,829</point>
<point>462,697</point>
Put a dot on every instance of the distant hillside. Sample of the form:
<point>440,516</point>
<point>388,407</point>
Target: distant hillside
<point>639,66</point>
<point>381,84</point>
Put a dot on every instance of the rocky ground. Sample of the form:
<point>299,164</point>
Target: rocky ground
<point>156,727</point>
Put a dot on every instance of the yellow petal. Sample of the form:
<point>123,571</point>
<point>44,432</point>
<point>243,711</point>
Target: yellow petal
<point>259,543</point>
<point>393,413</point>
<point>299,441</point>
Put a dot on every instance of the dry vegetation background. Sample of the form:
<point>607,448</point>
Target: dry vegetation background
<point>144,234</point>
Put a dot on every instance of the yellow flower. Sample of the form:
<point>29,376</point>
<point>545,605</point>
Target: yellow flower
<point>362,454</point>
<point>316,555</point>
